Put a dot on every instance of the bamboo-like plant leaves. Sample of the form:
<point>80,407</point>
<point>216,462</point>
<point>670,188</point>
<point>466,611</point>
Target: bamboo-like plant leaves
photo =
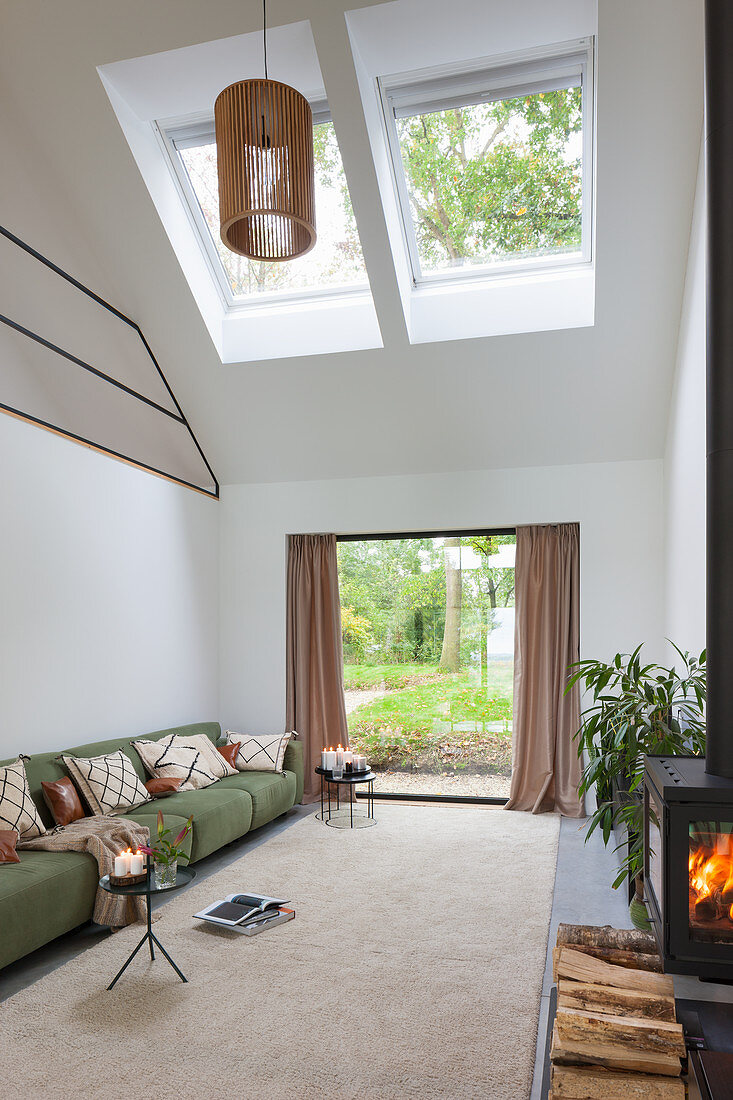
<point>635,710</point>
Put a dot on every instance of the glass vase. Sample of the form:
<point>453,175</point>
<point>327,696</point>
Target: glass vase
<point>165,874</point>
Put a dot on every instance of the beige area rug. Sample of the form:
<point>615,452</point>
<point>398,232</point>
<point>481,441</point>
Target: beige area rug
<point>413,969</point>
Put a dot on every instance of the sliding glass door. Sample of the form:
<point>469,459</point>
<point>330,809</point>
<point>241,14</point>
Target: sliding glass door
<point>428,635</point>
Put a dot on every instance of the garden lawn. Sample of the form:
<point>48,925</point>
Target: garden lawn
<point>389,677</point>
<point>437,723</point>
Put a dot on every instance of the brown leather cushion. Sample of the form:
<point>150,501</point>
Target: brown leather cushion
<point>229,752</point>
<point>163,786</point>
<point>8,840</point>
<point>63,801</point>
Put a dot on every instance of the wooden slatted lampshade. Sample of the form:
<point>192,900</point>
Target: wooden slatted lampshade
<point>264,146</point>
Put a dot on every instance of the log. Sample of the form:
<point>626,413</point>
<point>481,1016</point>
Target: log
<point>644,1035</point>
<point>592,935</point>
<point>584,968</point>
<point>576,1083</point>
<point>617,1056</point>
<point>615,1002</point>
<point>633,960</point>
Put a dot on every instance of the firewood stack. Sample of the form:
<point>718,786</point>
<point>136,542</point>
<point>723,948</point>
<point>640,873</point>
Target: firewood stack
<point>615,1033</point>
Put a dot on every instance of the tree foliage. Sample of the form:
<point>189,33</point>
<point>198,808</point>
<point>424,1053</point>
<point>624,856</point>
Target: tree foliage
<point>399,587</point>
<point>495,179</point>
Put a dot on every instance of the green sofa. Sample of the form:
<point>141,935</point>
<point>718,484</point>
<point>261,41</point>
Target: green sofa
<point>50,893</point>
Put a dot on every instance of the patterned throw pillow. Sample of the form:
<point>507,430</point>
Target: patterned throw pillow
<point>109,783</point>
<point>172,757</point>
<point>264,753</point>
<point>215,762</point>
<point>17,809</point>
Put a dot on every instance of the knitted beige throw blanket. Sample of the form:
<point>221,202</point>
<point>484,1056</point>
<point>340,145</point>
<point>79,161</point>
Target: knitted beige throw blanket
<point>104,837</point>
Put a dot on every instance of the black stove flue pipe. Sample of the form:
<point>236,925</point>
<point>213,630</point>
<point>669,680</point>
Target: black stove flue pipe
<point>719,173</point>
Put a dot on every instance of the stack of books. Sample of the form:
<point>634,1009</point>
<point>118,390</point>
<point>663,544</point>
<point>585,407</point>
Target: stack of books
<point>247,913</point>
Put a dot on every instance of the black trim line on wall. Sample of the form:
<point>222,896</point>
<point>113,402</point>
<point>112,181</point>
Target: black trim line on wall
<point>180,418</point>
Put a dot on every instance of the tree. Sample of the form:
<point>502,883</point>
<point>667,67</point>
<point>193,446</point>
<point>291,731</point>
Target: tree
<point>450,658</point>
<point>495,588</point>
<point>495,178</point>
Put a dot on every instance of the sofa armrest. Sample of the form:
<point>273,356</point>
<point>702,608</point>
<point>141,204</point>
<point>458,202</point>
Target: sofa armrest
<point>293,762</point>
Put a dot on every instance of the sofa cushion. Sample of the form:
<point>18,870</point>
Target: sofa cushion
<point>217,764</point>
<point>43,896</point>
<point>258,752</point>
<point>161,788</point>
<point>17,809</point>
<point>219,816</point>
<point>8,841</point>
<point>62,800</point>
<point>108,783</point>
<point>175,757</point>
<point>272,793</point>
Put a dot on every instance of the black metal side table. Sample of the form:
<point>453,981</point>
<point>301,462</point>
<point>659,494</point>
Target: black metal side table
<point>343,816</point>
<point>145,889</point>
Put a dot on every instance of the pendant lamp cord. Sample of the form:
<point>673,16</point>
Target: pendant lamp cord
<point>264,33</point>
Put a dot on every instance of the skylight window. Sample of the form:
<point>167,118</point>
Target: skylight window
<point>492,166</point>
<point>335,265</point>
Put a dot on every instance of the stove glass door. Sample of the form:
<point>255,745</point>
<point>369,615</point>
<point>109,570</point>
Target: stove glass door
<point>710,867</point>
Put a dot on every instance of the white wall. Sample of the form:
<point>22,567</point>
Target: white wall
<point>618,506</point>
<point>684,467</point>
<point>109,597</point>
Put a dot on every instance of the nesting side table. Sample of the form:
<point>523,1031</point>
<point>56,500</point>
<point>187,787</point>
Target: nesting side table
<point>343,816</point>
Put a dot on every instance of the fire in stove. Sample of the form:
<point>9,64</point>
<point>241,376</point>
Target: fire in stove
<point>711,883</point>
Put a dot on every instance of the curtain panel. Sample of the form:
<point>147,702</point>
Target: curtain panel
<point>315,704</point>
<point>546,770</point>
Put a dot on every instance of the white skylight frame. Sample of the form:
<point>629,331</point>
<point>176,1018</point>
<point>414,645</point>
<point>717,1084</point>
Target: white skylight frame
<point>546,68</point>
<point>194,130</point>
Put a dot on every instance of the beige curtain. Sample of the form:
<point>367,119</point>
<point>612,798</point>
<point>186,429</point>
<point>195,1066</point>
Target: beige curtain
<point>545,766</point>
<point>315,668</point>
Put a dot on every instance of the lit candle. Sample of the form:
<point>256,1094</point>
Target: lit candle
<point>339,755</point>
<point>348,756</point>
<point>136,863</point>
<point>122,865</point>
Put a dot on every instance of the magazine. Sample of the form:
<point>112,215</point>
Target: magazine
<point>269,919</point>
<point>240,909</point>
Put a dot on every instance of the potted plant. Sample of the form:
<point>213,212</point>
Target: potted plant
<point>635,710</point>
<point>166,853</point>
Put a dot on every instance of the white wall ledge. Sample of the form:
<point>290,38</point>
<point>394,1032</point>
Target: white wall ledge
<point>559,299</point>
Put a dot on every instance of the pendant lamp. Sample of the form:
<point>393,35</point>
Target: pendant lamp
<point>264,147</point>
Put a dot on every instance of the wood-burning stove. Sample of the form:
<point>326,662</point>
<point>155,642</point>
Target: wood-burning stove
<point>688,865</point>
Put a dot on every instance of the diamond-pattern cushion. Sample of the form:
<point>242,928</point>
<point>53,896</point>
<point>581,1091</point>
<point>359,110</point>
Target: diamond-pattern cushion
<point>172,757</point>
<point>263,753</point>
<point>108,783</point>
<point>215,762</point>
<point>17,809</point>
